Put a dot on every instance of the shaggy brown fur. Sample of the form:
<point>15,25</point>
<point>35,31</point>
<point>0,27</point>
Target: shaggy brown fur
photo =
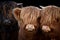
<point>24,16</point>
<point>51,18</point>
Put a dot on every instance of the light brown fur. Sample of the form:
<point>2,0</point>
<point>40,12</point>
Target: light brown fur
<point>24,16</point>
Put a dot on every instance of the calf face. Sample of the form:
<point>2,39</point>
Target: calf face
<point>6,10</point>
<point>50,21</point>
<point>27,18</point>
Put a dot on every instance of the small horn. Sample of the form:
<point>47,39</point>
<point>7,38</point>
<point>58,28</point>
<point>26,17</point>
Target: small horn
<point>42,7</point>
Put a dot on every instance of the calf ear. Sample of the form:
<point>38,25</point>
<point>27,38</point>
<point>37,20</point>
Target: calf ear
<point>16,13</point>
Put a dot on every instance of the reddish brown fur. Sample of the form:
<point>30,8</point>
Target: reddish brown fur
<point>51,17</point>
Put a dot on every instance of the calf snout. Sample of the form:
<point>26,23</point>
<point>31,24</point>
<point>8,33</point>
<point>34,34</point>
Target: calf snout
<point>46,28</point>
<point>6,22</point>
<point>30,27</point>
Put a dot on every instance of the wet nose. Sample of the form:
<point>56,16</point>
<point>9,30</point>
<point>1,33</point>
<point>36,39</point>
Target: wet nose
<point>7,21</point>
<point>30,27</point>
<point>46,28</point>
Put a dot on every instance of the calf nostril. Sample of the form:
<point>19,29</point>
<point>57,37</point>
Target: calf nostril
<point>30,27</point>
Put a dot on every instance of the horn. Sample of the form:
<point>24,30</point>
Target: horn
<point>42,7</point>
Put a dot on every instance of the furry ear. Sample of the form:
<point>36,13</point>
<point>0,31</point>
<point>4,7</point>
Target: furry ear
<point>16,13</point>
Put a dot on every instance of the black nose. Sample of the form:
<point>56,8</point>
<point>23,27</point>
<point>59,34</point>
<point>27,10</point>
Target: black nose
<point>7,21</point>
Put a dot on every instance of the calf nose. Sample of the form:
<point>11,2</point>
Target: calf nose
<point>30,27</point>
<point>46,28</point>
<point>7,21</point>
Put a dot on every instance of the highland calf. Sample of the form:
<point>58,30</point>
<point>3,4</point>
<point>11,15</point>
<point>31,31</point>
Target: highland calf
<point>8,24</point>
<point>50,22</point>
<point>28,21</point>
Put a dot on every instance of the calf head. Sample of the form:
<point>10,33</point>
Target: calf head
<point>50,21</point>
<point>6,10</point>
<point>27,18</point>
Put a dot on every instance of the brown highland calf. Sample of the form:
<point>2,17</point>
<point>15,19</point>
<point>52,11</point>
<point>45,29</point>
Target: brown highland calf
<point>50,22</point>
<point>28,21</point>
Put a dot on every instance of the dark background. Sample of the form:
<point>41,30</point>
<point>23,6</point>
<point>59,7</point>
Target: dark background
<point>37,2</point>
